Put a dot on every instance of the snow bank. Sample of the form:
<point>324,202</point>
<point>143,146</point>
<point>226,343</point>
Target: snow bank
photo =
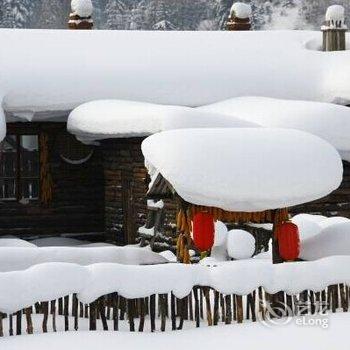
<point>50,281</point>
<point>327,222</point>
<point>307,227</point>
<point>242,169</point>
<point>241,10</point>
<point>328,121</point>
<point>175,68</point>
<point>332,240</point>
<point>82,8</point>
<point>18,258</point>
<point>116,118</point>
<point>15,242</point>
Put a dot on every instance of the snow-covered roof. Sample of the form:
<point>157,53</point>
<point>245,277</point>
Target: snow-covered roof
<point>244,169</point>
<point>45,73</point>
<point>104,119</point>
<point>328,121</point>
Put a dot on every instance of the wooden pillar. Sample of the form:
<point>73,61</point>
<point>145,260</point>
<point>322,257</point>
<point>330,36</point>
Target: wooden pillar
<point>240,17</point>
<point>276,258</point>
<point>334,29</point>
<point>81,15</point>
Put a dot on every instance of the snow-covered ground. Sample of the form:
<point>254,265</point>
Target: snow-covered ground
<point>247,336</point>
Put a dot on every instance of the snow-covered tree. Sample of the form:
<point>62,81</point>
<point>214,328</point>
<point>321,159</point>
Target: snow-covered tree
<point>164,25</point>
<point>16,13</point>
<point>116,14</point>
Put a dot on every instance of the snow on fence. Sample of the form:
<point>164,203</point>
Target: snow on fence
<point>172,293</point>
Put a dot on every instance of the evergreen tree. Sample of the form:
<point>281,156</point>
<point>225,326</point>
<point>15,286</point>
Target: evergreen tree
<point>16,13</point>
<point>116,14</point>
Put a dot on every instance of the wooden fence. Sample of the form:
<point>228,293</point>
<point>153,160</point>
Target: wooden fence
<point>203,306</point>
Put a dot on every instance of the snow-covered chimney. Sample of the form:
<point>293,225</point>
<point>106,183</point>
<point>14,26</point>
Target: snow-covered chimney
<point>334,29</point>
<point>81,15</point>
<point>240,17</point>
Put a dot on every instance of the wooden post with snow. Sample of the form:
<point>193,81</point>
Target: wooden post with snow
<point>81,15</point>
<point>334,29</point>
<point>240,17</point>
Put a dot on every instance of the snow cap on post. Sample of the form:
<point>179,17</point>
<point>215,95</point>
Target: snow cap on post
<point>80,17</point>
<point>334,29</point>
<point>240,15</point>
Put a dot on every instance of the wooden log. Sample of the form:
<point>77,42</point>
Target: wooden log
<point>252,303</point>
<point>131,313</point>
<point>75,311</point>
<point>28,313</point>
<point>1,325</point>
<point>152,307</point>
<point>173,311</point>
<point>53,313</point>
<point>206,291</point>
<point>66,313</point>
<point>92,316</point>
<point>239,305</point>
<point>162,304</point>
<point>19,322</point>
<point>102,312</point>
<point>334,39</point>
<point>60,306</point>
<point>196,307</point>
<point>216,308</point>
<point>228,307</point>
<point>10,325</point>
<point>45,309</point>
<point>142,314</point>
<point>115,304</point>
<point>222,306</point>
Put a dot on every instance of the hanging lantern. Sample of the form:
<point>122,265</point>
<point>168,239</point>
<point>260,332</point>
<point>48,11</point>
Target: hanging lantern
<point>203,231</point>
<point>288,241</point>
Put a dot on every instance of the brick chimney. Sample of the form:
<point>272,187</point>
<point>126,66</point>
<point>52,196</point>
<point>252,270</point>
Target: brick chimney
<point>240,17</point>
<point>81,15</point>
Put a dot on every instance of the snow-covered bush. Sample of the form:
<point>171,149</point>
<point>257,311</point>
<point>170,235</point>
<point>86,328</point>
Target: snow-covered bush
<point>240,244</point>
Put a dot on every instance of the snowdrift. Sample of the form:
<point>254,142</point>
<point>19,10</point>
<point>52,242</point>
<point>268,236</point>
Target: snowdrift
<point>18,258</point>
<point>328,121</point>
<point>63,69</point>
<point>116,118</point>
<point>46,282</point>
<point>244,169</point>
<point>332,240</point>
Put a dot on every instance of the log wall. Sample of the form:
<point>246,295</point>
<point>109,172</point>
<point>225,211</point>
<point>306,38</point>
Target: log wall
<point>78,197</point>
<point>335,204</point>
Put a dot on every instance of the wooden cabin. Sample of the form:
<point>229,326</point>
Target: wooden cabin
<point>52,184</point>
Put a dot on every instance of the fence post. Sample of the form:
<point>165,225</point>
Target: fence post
<point>334,29</point>
<point>240,17</point>
<point>81,15</point>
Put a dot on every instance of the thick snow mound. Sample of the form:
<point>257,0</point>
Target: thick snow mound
<point>116,118</point>
<point>244,169</point>
<point>307,227</point>
<point>240,244</point>
<point>332,221</point>
<point>18,258</point>
<point>332,240</point>
<point>328,121</point>
<point>45,282</point>
<point>15,242</point>
<point>309,217</point>
<point>82,8</point>
<point>166,67</point>
<point>241,10</point>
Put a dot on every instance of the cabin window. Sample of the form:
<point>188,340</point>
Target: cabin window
<point>19,167</point>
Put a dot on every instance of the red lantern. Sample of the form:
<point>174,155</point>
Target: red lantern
<point>288,241</point>
<point>203,231</point>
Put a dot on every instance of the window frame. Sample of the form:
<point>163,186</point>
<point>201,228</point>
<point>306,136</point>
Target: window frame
<point>18,178</point>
